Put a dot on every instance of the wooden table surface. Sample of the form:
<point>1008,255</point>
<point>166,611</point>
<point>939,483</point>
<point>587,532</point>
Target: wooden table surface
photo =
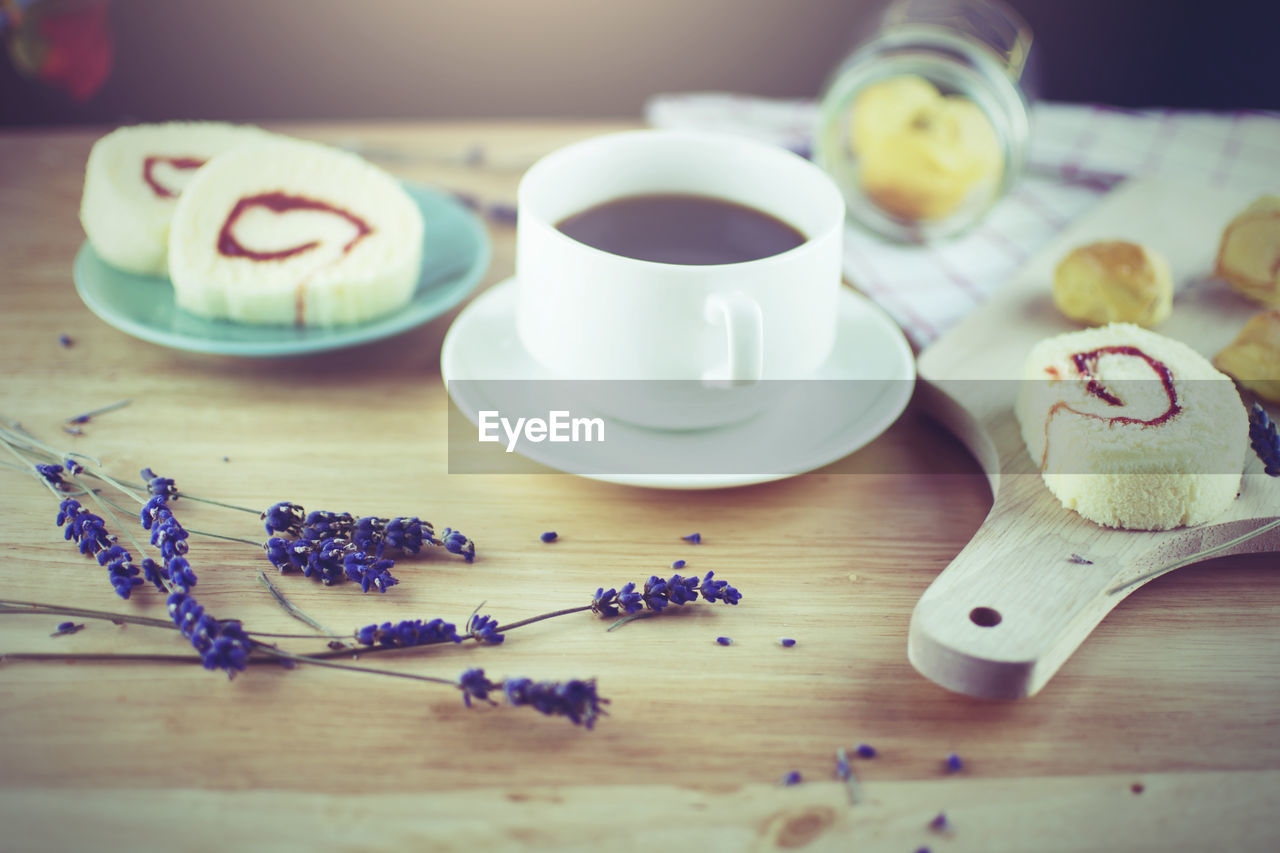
<point>1160,734</point>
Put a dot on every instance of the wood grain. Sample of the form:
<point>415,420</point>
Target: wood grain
<point>1180,680</point>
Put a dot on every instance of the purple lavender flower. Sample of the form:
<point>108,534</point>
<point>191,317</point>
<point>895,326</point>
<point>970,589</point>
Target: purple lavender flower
<point>787,642</point>
<point>455,543</point>
<point>655,593</point>
<point>72,466</point>
<point>484,629</point>
<point>1265,439</point>
<point>658,593</point>
<point>408,633</point>
<point>678,564</point>
<point>503,214</point>
<point>408,534</point>
<point>577,699</point>
<point>940,823</point>
<point>121,571</point>
<point>866,750</point>
<point>693,538</point>
<point>87,530</point>
<point>52,475</point>
<point>284,517</point>
<point>322,524</point>
<point>367,570</point>
<point>180,574</point>
<point>155,574</point>
<point>65,341</point>
<point>473,684</point>
<point>549,536</point>
<point>953,763</point>
<point>167,534</point>
<point>221,645</point>
<point>724,641</point>
<point>791,778</point>
<point>326,560</point>
<point>150,509</point>
<point>367,533</point>
<point>159,486</point>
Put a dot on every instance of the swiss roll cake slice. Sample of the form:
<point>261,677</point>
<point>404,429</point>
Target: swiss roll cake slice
<point>1132,429</point>
<point>133,180</point>
<point>292,232</point>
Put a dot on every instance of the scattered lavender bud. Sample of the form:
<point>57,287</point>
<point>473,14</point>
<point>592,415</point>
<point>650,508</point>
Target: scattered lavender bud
<point>954,764</point>
<point>549,536</point>
<point>72,466</point>
<point>695,538</point>
<point>787,642</point>
<point>64,341</point>
<point>791,778</point>
<point>65,628</point>
<point>1265,439</point>
<point>455,543</point>
<point>52,474</point>
<point>940,823</point>
<point>504,214</point>
<point>923,850</point>
<point>72,430</point>
<point>467,200</point>
<point>1082,561</point>
<point>724,641</point>
<point>866,750</point>
<point>226,459</point>
<point>678,564</point>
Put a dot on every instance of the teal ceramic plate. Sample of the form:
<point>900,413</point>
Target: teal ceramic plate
<point>455,256</point>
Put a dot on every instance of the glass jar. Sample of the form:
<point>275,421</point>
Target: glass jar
<point>924,126</point>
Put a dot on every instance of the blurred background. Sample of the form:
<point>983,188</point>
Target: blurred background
<point>91,61</point>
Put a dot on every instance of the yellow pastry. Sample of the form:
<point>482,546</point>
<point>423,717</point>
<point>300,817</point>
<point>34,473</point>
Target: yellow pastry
<point>1249,254</point>
<point>1114,281</point>
<point>1253,358</point>
<point>922,155</point>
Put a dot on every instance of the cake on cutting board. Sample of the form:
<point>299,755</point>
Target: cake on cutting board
<point>1132,429</point>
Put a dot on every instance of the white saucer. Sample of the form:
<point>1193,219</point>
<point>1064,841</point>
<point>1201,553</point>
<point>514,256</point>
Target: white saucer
<point>482,345</point>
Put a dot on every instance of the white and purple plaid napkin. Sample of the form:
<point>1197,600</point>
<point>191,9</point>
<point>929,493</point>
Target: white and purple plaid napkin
<point>1078,153</point>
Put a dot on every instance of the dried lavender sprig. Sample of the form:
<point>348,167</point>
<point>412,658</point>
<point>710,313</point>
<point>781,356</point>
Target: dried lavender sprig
<point>658,593</point>
<point>1265,439</point>
<point>577,700</point>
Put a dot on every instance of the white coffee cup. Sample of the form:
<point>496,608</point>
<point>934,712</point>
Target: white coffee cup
<point>584,313</point>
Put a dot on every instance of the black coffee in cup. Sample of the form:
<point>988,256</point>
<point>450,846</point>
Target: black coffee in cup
<point>673,228</point>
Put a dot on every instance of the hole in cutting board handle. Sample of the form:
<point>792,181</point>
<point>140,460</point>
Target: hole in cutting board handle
<point>985,617</point>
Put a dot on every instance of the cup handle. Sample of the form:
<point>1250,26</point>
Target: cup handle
<point>744,327</point>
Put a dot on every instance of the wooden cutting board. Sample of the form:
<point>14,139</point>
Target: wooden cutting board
<point>1018,571</point>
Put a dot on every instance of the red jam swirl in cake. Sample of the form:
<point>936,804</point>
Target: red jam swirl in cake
<point>1086,363</point>
<point>279,202</point>
<point>149,165</point>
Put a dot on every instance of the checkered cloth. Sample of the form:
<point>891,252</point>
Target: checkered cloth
<point>1078,153</point>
